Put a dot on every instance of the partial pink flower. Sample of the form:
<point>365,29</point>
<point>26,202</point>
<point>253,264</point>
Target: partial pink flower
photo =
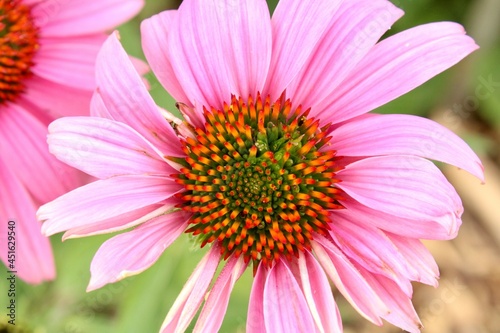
<point>276,164</point>
<point>48,51</point>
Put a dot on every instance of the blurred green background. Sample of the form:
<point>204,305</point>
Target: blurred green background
<point>140,303</point>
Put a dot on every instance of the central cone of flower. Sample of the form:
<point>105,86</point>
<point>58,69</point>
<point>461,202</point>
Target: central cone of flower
<point>256,180</point>
<point>18,44</point>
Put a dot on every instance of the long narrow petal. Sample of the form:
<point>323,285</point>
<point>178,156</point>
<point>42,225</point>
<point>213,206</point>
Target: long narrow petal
<point>215,307</point>
<point>23,142</point>
<point>318,294</point>
<point>32,255</point>
<point>123,221</point>
<point>285,307</point>
<point>104,148</point>
<point>404,186</point>
<point>372,249</point>
<point>132,252</point>
<point>255,316</point>
<point>63,61</point>
<point>214,46</point>
<point>75,17</point>
<point>104,199</point>
<point>402,313</point>
<point>189,300</point>
<point>127,99</point>
<point>348,280</point>
<point>423,266</point>
<point>395,66</point>
<point>155,43</point>
<point>297,27</point>
<point>404,135</point>
<point>406,227</point>
<point>353,30</point>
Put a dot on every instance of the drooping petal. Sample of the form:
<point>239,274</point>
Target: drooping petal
<point>63,61</point>
<point>104,199</point>
<point>372,249</point>
<point>127,99</point>
<point>219,48</point>
<point>74,17</point>
<point>255,316</point>
<point>402,312</point>
<point>297,26</point>
<point>348,280</point>
<point>353,30</point>
<point>123,221</point>
<point>215,307</point>
<point>104,148</point>
<point>404,135</point>
<point>285,307</point>
<point>423,266</point>
<point>318,294</point>
<point>32,254</point>
<point>23,145</point>
<point>189,300</point>
<point>405,186</point>
<point>406,227</point>
<point>395,66</point>
<point>132,252</point>
<point>155,43</point>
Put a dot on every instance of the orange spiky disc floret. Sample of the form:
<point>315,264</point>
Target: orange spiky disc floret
<point>256,181</point>
<point>18,44</point>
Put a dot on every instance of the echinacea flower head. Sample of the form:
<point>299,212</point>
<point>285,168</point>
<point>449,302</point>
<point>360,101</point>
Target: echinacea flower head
<point>48,50</point>
<point>276,165</point>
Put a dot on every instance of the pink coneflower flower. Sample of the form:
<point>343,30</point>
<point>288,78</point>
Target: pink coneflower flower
<point>48,51</point>
<point>277,166</point>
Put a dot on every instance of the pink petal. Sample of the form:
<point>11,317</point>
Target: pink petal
<point>34,262</point>
<point>104,199</point>
<point>57,100</point>
<point>372,249</point>
<point>128,100</point>
<point>104,148</point>
<point>402,313</point>
<point>255,316</point>
<point>221,48</point>
<point>413,228</point>
<point>122,221</point>
<point>318,294</point>
<point>75,17</point>
<point>133,252</point>
<point>155,43</point>
<point>353,30</point>
<point>69,62</point>
<point>23,145</point>
<point>423,266</point>
<point>395,66</point>
<point>97,106</point>
<point>285,307</point>
<point>404,135</point>
<point>215,307</point>
<point>405,186</point>
<point>348,280</point>
<point>189,300</point>
<point>297,27</point>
